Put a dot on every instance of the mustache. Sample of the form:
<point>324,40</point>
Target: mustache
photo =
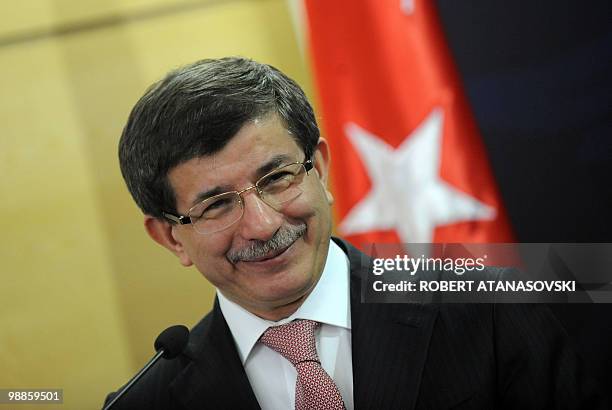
<point>282,239</point>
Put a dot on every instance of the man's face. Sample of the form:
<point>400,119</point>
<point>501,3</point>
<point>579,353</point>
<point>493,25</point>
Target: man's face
<point>274,283</point>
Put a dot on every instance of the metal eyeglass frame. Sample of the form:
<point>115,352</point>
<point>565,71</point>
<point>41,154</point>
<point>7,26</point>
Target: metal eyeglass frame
<point>186,220</point>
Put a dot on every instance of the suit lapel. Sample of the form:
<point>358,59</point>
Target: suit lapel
<point>215,378</point>
<point>389,343</point>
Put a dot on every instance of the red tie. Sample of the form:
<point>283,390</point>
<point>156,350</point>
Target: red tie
<point>295,341</point>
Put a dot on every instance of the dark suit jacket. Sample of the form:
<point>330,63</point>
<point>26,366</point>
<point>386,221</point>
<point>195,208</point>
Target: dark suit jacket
<point>405,356</point>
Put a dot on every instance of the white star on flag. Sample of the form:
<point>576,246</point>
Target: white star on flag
<point>407,6</point>
<point>407,192</point>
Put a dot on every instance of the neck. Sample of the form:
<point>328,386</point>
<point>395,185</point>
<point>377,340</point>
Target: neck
<point>280,312</point>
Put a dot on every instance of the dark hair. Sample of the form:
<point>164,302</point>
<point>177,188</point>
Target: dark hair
<point>195,111</point>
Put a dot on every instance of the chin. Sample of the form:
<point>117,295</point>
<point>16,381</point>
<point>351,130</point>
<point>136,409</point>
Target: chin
<point>287,292</point>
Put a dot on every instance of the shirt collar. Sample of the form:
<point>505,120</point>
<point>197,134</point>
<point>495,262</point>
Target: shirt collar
<point>328,303</point>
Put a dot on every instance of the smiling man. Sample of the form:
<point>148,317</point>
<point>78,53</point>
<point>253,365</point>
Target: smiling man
<point>260,214</point>
<point>225,160</point>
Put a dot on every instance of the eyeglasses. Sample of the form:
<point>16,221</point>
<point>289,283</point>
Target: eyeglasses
<point>221,211</point>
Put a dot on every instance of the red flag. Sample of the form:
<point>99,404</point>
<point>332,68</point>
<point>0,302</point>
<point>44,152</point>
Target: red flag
<point>408,164</point>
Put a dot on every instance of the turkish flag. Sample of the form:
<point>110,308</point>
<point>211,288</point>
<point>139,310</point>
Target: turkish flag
<point>408,164</point>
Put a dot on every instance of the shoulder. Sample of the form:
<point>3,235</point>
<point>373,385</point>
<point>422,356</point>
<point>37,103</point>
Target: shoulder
<point>153,390</point>
<point>519,351</point>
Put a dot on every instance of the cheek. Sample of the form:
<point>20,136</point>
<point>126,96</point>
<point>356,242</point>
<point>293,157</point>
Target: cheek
<point>302,210</point>
<point>316,213</point>
<point>208,253</point>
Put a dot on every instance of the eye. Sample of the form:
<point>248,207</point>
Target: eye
<point>278,176</point>
<point>216,204</point>
<point>277,181</point>
<point>216,208</point>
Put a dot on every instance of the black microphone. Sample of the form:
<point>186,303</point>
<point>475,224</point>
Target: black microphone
<point>169,344</point>
<point>172,341</point>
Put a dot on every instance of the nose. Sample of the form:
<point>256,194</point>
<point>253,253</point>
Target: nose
<point>260,221</point>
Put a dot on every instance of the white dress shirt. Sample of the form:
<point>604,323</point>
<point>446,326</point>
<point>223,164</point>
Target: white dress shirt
<point>273,377</point>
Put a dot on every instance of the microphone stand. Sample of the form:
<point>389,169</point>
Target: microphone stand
<point>134,379</point>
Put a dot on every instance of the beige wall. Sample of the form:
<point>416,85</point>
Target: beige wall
<point>84,292</point>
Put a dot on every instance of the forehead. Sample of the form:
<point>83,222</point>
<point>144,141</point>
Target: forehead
<point>236,165</point>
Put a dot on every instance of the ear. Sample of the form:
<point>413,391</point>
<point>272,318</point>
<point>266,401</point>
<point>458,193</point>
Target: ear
<point>321,165</point>
<point>163,232</point>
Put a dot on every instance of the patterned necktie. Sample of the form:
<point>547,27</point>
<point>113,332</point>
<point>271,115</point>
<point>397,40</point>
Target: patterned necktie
<point>295,341</point>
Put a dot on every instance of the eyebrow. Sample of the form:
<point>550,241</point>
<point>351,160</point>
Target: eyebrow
<point>274,162</point>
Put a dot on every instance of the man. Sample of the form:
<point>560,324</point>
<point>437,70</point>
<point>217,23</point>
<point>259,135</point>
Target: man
<point>225,159</point>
